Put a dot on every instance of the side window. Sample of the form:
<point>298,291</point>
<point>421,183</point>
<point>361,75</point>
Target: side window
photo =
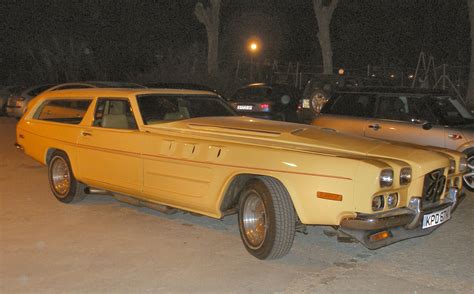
<point>70,111</point>
<point>114,113</point>
<point>162,109</point>
<point>359,105</point>
<point>393,108</point>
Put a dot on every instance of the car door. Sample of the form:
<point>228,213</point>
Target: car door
<point>109,153</point>
<point>347,113</point>
<point>404,118</point>
<point>175,166</point>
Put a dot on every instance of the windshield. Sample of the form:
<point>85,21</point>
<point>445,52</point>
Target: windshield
<point>166,108</point>
<point>450,111</point>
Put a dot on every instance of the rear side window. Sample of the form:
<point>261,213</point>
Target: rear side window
<point>70,111</point>
<point>253,94</point>
<point>360,105</point>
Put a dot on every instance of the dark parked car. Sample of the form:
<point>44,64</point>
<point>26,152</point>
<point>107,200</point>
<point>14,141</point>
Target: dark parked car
<point>269,101</point>
<point>183,86</point>
<point>320,88</point>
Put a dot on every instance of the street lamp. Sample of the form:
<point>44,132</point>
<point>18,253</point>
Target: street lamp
<point>253,47</point>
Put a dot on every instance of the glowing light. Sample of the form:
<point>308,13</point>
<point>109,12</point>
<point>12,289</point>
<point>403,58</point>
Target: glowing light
<point>290,164</point>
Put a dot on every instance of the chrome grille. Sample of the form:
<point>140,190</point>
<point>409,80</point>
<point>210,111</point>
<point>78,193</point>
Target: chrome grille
<point>434,186</point>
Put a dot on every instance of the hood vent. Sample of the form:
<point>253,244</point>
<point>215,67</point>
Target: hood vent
<point>232,130</point>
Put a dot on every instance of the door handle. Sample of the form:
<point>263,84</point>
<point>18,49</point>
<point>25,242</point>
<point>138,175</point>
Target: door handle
<point>85,134</point>
<point>375,127</point>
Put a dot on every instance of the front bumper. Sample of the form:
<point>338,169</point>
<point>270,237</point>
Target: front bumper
<point>400,224</point>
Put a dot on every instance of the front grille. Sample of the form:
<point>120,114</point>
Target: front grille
<point>434,186</point>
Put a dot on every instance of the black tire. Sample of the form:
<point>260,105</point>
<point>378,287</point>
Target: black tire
<point>63,184</point>
<point>468,178</point>
<point>277,232</point>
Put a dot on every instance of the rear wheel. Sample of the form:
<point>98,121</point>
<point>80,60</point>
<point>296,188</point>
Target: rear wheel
<point>63,184</point>
<point>267,218</point>
<point>468,177</point>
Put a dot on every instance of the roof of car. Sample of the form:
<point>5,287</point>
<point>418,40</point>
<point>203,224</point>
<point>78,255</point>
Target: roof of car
<point>394,90</point>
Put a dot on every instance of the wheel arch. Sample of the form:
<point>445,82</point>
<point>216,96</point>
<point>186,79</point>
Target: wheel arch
<point>237,183</point>
<point>49,154</point>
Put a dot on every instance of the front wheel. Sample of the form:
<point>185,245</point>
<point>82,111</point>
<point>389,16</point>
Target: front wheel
<point>468,177</point>
<point>267,218</point>
<point>63,184</point>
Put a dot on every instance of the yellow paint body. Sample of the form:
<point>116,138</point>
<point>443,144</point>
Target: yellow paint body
<point>190,164</point>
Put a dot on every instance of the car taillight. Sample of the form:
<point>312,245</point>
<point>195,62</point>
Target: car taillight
<point>264,107</point>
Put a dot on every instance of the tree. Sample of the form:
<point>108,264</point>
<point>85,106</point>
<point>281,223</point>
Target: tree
<point>470,88</point>
<point>209,16</point>
<point>323,10</point>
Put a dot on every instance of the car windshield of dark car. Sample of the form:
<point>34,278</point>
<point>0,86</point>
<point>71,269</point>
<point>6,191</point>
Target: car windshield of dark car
<point>252,94</point>
<point>450,111</point>
<point>166,108</point>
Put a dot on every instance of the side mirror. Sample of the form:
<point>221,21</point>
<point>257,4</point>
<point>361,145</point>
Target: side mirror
<point>426,126</point>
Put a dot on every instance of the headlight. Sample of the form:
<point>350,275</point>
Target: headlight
<point>392,200</point>
<point>405,175</point>
<point>452,166</point>
<point>377,203</point>
<point>463,165</point>
<point>386,178</point>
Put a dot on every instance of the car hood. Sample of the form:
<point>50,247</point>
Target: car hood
<point>304,138</point>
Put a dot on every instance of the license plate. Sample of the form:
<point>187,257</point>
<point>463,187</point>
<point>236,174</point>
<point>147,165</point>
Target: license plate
<point>436,218</point>
<point>244,107</point>
<point>305,103</point>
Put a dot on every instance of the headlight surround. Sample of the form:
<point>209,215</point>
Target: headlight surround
<point>405,176</point>
<point>452,166</point>
<point>386,178</point>
<point>463,164</point>
<point>392,200</point>
<point>378,203</point>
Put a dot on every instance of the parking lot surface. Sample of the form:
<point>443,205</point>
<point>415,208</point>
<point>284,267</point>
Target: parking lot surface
<point>102,245</point>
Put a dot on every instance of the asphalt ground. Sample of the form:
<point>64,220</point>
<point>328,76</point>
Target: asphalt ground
<point>101,245</point>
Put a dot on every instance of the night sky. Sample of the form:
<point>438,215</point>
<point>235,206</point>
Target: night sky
<point>129,37</point>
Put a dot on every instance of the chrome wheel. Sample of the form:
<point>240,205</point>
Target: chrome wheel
<point>60,176</point>
<point>254,219</point>
<point>468,177</point>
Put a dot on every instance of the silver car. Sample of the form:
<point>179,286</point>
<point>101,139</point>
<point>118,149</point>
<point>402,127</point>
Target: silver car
<point>416,116</point>
<point>5,93</point>
<point>18,101</point>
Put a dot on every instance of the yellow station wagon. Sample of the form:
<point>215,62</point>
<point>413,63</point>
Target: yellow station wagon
<point>187,150</point>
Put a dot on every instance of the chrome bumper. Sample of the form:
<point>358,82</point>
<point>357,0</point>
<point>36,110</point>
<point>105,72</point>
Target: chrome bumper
<point>401,223</point>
